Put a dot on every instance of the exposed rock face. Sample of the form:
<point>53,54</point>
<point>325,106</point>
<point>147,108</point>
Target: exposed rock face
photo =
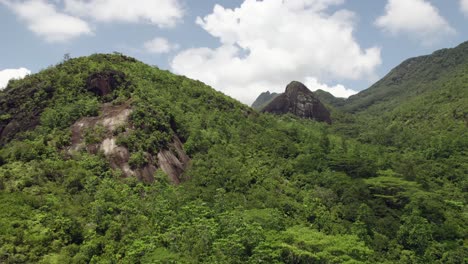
<point>103,83</point>
<point>300,101</point>
<point>172,161</point>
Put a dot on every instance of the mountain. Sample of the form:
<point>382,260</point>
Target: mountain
<point>325,97</point>
<point>328,99</point>
<point>104,159</point>
<point>418,103</point>
<point>300,101</point>
<point>263,99</point>
<point>414,77</point>
<point>439,77</point>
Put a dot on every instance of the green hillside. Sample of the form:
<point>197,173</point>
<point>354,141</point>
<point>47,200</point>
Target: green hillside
<point>328,99</point>
<point>411,79</point>
<point>258,188</point>
<point>421,104</point>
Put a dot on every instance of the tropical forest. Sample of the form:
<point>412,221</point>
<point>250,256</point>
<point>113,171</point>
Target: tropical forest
<point>105,159</point>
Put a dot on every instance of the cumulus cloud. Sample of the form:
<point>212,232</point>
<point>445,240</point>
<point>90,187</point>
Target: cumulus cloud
<point>164,13</point>
<point>338,90</point>
<point>415,18</point>
<point>159,46</point>
<point>464,7</point>
<point>8,74</point>
<point>44,20</point>
<point>266,44</point>
<point>54,24</point>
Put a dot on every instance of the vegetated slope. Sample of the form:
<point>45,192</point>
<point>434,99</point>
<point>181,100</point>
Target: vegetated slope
<point>434,118</point>
<point>412,78</point>
<point>259,188</point>
<point>421,104</point>
<point>263,99</point>
<point>328,99</point>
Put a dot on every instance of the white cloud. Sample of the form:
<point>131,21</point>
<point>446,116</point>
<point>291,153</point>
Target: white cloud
<point>464,6</point>
<point>43,19</point>
<point>338,90</point>
<point>159,46</point>
<point>164,13</point>
<point>8,74</point>
<point>416,18</point>
<point>266,44</point>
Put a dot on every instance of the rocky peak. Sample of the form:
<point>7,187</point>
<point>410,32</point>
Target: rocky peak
<point>294,88</point>
<point>300,101</point>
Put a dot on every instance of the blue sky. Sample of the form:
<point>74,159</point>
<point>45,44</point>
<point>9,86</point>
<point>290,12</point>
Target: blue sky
<point>239,47</point>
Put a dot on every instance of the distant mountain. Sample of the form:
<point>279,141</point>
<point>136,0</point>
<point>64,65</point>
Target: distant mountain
<point>300,101</point>
<point>329,99</point>
<point>427,93</point>
<point>325,97</point>
<point>415,78</point>
<point>263,99</point>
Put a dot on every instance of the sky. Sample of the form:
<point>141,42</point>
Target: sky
<point>239,47</point>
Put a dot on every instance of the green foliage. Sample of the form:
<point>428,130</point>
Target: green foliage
<point>137,160</point>
<point>260,188</point>
<point>304,245</point>
<point>94,135</point>
<point>63,116</point>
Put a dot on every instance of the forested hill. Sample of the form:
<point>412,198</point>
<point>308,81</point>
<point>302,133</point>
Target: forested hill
<point>329,100</point>
<point>421,104</point>
<point>415,77</point>
<point>104,159</point>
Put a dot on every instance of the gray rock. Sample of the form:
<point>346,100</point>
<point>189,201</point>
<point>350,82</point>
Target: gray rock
<point>300,101</point>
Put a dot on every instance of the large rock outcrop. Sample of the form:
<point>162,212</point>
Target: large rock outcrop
<point>100,133</point>
<point>300,101</point>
